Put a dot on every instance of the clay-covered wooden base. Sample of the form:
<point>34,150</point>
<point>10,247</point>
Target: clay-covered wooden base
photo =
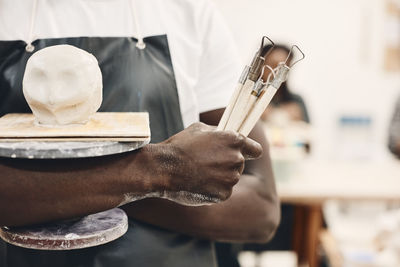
<point>90,231</point>
<point>66,150</point>
<point>104,134</point>
<point>107,126</point>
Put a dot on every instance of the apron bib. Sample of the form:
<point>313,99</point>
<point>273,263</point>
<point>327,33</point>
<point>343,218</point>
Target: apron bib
<point>134,80</point>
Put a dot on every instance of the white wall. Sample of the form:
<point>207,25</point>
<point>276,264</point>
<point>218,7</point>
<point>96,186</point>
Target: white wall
<point>343,71</point>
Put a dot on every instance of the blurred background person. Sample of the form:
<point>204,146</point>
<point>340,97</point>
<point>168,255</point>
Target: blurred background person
<point>285,103</point>
<point>394,131</point>
<point>285,110</point>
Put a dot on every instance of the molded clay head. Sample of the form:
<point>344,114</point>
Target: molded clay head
<point>62,85</point>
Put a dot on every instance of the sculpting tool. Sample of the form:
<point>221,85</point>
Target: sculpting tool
<point>265,97</point>
<point>232,117</point>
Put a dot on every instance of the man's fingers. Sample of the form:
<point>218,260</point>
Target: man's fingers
<point>248,147</point>
<point>199,126</point>
<point>251,149</point>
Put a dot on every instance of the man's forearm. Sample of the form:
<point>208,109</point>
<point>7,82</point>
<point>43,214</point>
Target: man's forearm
<point>245,217</point>
<point>34,191</point>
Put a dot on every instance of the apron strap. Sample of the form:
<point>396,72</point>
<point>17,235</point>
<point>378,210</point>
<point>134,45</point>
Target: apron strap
<point>141,44</point>
<point>29,47</point>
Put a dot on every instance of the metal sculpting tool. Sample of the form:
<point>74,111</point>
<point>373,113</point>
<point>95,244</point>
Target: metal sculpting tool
<point>233,113</point>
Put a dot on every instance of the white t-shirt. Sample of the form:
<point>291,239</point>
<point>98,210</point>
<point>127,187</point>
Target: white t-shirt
<point>204,57</point>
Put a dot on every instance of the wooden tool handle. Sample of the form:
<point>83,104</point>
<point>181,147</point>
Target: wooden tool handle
<point>250,106</point>
<point>259,108</point>
<point>228,111</point>
<point>237,115</point>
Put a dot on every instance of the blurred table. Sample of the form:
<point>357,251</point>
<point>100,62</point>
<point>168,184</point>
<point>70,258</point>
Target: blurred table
<point>313,182</point>
<point>310,183</point>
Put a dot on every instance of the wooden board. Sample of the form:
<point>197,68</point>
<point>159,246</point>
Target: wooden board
<point>124,127</point>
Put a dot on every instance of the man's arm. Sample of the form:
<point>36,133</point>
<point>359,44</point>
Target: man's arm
<point>250,215</point>
<point>35,191</point>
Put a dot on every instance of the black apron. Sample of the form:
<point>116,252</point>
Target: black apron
<point>133,80</point>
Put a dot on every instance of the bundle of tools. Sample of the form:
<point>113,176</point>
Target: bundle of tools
<point>254,92</point>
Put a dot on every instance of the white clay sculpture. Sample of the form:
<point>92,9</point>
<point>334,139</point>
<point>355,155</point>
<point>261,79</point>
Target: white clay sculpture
<point>63,85</point>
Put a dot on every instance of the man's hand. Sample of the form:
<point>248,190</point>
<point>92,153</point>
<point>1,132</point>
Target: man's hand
<point>205,161</point>
<point>251,214</point>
